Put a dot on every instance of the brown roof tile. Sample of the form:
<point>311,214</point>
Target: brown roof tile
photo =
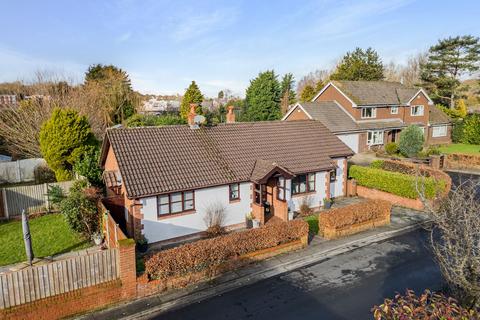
<point>155,160</point>
<point>331,115</point>
<point>376,92</point>
<point>437,116</point>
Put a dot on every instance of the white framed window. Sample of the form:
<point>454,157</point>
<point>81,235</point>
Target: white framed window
<point>369,113</point>
<point>439,131</point>
<point>374,137</point>
<point>416,111</point>
<point>393,110</point>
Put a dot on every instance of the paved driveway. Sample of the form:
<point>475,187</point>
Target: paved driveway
<point>344,287</point>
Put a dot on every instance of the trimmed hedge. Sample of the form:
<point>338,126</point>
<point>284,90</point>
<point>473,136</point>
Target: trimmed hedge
<point>354,214</point>
<point>212,253</point>
<point>412,169</point>
<point>395,182</point>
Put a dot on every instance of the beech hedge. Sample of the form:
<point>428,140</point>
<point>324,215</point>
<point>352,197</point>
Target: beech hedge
<point>354,214</point>
<point>395,182</point>
<point>211,253</point>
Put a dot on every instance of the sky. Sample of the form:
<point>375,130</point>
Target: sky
<point>164,45</point>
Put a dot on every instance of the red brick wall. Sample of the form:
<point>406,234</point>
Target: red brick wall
<point>439,140</point>
<point>331,94</point>
<point>297,114</point>
<point>392,198</point>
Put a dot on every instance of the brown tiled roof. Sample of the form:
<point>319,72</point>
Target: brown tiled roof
<point>110,178</point>
<point>263,168</point>
<point>155,160</point>
<point>331,115</point>
<point>437,116</point>
<point>376,92</point>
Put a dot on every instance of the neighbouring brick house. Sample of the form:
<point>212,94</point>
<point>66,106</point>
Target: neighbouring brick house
<point>364,114</point>
<point>168,176</point>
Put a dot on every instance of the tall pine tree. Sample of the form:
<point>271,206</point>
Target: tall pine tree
<point>307,94</point>
<point>263,98</point>
<point>359,65</point>
<point>447,62</point>
<point>192,95</point>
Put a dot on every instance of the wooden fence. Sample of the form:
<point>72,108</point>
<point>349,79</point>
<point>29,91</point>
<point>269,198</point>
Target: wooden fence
<point>111,229</point>
<point>38,282</point>
<point>32,198</point>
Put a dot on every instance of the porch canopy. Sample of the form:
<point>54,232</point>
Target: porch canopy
<point>264,169</point>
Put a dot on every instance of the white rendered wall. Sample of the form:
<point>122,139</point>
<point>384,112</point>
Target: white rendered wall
<point>315,199</point>
<point>158,230</point>
<point>351,140</point>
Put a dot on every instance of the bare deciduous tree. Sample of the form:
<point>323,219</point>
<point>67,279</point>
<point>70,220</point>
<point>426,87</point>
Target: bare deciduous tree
<point>455,239</point>
<point>408,73</point>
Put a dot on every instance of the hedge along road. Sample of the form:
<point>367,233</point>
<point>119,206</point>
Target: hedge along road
<point>343,287</point>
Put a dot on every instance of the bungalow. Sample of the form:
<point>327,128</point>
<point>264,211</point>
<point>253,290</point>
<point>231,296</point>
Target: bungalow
<point>166,178</point>
<point>367,114</point>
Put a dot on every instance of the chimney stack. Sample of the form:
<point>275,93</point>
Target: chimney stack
<point>230,115</point>
<point>192,114</point>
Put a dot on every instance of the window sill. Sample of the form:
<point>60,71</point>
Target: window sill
<point>303,194</point>
<point>174,215</point>
<point>235,200</point>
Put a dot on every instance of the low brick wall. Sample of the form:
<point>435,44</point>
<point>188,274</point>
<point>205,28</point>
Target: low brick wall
<point>462,161</point>
<point>146,287</point>
<point>368,193</point>
<point>332,233</point>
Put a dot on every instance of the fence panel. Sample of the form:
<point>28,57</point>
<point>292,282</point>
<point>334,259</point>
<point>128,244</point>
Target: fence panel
<point>38,282</point>
<point>31,198</point>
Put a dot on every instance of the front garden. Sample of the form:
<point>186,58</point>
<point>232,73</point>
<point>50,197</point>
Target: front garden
<point>461,148</point>
<point>50,234</point>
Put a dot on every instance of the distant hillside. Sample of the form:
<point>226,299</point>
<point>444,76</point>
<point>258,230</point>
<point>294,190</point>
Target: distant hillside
<point>473,93</point>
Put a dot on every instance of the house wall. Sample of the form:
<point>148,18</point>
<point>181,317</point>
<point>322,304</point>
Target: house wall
<point>439,140</point>
<point>297,114</point>
<point>332,94</point>
<point>351,140</point>
<point>315,199</point>
<point>420,99</point>
<point>155,229</point>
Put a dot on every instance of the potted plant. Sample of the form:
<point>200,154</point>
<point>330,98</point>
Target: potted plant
<point>327,203</point>
<point>290,214</point>
<point>256,223</point>
<point>249,220</point>
<point>97,238</point>
<point>142,244</point>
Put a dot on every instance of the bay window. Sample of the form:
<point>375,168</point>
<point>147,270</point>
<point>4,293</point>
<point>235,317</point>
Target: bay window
<point>303,183</point>
<point>375,137</point>
<point>176,202</point>
<point>281,188</point>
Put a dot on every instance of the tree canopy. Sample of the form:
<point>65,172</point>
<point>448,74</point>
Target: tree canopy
<point>192,95</point>
<point>263,97</point>
<point>141,120</point>
<point>359,65</point>
<point>307,94</point>
<point>114,88</point>
<point>447,62</point>
<point>63,139</point>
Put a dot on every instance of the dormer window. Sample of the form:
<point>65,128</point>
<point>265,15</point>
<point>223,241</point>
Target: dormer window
<point>393,110</point>
<point>416,111</point>
<point>369,113</point>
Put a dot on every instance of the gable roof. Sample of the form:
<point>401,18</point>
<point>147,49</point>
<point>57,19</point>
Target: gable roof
<point>377,92</point>
<point>156,160</point>
<point>437,116</point>
<point>331,115</point>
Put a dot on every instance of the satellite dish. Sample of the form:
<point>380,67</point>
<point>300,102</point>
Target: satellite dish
<point>199,119</point>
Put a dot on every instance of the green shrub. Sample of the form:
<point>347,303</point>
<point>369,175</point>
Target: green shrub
<point>43,174</point>
<point>471,129</point>
<point>87,165</point>
<point>80,209</point>
<point>457,131</point>
<point>312,223</point>
<point>411,141</point>
<point>433,151</point>
<point>391,148</point>
<point>395,182</point>
<point>377,164</point>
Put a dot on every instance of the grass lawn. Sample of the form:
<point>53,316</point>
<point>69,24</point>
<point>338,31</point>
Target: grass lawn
<point>461,148</point>
<point>50,235</point>
<point>312,223</point>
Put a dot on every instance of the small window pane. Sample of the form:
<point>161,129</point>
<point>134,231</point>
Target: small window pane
<point>188,195</point>
<point>164,199</point>
<point>164,209</point>
<point>176,207</point>
<point>188,204</point>
<point>176,197</point>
